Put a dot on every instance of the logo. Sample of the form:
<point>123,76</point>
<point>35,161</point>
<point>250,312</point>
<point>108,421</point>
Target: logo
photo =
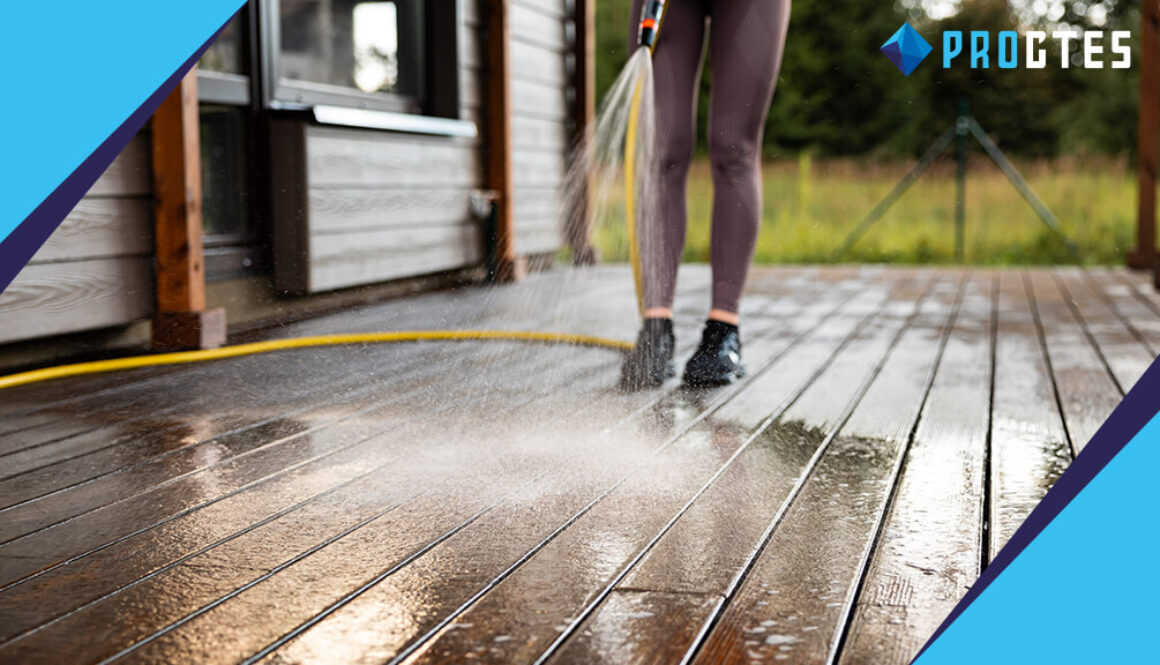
<point>1089,49</point>
<point>906,49</point>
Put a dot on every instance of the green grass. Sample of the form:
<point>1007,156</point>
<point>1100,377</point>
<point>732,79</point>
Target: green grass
<point>810,207</point>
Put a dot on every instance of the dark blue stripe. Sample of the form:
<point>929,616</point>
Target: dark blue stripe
<point>1138,408</point>
<point>18,248</point>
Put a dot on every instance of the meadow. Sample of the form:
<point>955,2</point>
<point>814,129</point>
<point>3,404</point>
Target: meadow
<point>811,205</point>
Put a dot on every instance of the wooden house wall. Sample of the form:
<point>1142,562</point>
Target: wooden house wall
<point>96,270</point>
<point>539,47</point>
<point>381,205</point>
<point>385,205</point>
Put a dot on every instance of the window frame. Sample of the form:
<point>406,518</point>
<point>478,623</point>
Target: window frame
<point>250,252</point>
<point>441,71</point>
<point>229,255</point>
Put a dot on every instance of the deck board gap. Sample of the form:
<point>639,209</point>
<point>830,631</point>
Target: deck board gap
<point>696,647</point>
<point>1037,320</point>
<point>845,621</point>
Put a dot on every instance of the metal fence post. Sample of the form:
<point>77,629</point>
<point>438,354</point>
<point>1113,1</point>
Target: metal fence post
<point>962,126</point>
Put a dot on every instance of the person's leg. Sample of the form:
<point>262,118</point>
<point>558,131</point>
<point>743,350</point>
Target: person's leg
<point>676,73</point>
<point>745,43</point>
<point>746,38</point>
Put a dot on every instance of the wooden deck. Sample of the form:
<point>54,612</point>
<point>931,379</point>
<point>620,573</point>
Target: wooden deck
<point>500,502</point>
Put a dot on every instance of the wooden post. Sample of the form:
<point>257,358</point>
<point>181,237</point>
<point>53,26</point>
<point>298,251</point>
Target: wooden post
<point>578,232</point>
<point>510,266</point>
<point>1148,137</point>
<point>182,321</point>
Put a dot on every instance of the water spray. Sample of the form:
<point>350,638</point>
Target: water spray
<point>652,15</point>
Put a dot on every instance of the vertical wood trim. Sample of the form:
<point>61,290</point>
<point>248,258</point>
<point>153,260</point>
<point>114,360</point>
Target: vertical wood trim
<point>290,206</point>
<point>498,107</point>
<point>578,233</point>
<point>1148,137</point>
<point>177,200</point>
<point>181,320</point>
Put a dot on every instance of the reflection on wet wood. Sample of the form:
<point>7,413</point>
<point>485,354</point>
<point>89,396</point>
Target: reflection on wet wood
<point>649,496</point>
<point>1029,447</point>
<point>1086,389</point>
<point>789,606</point>
<point>504,503</point>
<point>929,550</point>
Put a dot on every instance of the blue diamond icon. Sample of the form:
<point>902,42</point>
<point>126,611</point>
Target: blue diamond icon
<point>906,48</point>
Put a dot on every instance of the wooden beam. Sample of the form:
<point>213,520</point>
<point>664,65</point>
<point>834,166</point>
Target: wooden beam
<point>578,232</point>
<point>181,321</point>
<point>497,95</point>
<point>1148,137</point>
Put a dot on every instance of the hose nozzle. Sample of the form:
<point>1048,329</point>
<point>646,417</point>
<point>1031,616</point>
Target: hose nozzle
<point>650,23</point>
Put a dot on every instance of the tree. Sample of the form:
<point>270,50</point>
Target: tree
<point>837,95</point>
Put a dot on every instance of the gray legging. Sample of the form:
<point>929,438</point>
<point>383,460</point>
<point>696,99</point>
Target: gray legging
<point>746,38</point>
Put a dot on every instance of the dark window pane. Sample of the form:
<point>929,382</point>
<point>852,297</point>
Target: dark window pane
<point>225,54</point>
<point>370,46</point>
<point>225,202</point>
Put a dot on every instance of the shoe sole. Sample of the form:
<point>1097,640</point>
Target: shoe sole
<point>714,382</point>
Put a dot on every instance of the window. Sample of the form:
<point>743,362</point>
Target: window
<point>224,153</point>
<point>233,241</point>
<point>226,54</point>
<point>395,60</point>
<point>361,53</point>
<point>223,71</point>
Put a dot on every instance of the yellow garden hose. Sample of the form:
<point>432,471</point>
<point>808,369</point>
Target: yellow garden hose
<point>181,357</point>
<point>652,18</point>
<point>630,195</point>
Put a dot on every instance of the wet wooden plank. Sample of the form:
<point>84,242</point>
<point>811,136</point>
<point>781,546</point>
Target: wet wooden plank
<point>1141,285</point>
<point>930,547</point>
<point>447,582</point>
<point>694,556</point>
<point>709,548</point>
<point>266,549</point>
<point>793,602</point>
<point>231,391</point>
<point>1119,292</point>
<point>193,447</point>
<point>1122,351</point>
<point>376,511</point>
<point>1029,446</point>
<point>494,307</point>
<point>164,442</point>
<point>368,256</point>
<point>125,407</point>
<point>631,516</point>
<point>147,553</point>
<point>1086,390</point>
<point>418,443</point>
<point>644,627</point>
<point>358,555</point>
<point>41,404</point>
<point>164,448</point>
<point>491,547</point>
<point>50,547</point>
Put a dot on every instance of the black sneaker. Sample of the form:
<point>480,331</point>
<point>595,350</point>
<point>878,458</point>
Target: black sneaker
<point>717,360</point>
<point>651,361</point>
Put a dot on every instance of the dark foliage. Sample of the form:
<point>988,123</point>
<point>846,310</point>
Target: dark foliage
<point>837,95</point>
